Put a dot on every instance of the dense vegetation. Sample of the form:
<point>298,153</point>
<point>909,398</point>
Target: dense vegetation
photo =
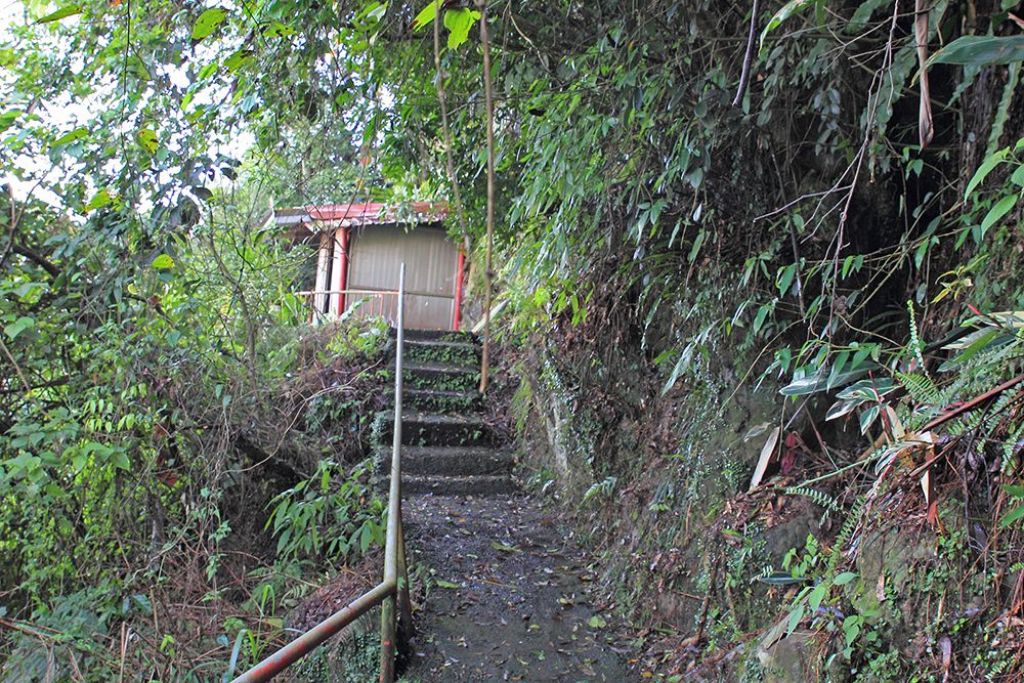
<point>696,208</point>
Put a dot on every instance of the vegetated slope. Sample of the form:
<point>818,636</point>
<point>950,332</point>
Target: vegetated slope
<point>810,294</point>
<point>692,202</point>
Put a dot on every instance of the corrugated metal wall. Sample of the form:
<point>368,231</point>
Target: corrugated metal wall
<point>430,264</point>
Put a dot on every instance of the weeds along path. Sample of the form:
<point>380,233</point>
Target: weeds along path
<point>507,596</point>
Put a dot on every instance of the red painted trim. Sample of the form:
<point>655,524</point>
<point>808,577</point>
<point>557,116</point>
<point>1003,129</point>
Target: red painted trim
<point>343,280</point>
<point>373,212</point>
<point>457,315</point>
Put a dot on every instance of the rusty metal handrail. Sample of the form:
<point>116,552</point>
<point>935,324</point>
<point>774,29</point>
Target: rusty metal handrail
<point>395,586</point>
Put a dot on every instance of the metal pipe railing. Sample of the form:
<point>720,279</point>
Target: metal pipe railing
<point>395,586</point>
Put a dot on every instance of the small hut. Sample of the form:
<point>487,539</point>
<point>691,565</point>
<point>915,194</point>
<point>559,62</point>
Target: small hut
<point>361,247</point>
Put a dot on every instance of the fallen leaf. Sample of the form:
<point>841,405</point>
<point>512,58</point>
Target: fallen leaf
<point>505,548</point>
<point>767,452</point>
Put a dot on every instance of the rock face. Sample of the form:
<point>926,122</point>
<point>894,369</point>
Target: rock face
<point>448,448</point>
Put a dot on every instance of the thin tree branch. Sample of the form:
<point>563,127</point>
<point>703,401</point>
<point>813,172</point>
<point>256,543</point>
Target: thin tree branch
<point>747,57</point>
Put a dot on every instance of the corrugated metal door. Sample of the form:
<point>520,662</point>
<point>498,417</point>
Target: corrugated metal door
<point>430,263</point>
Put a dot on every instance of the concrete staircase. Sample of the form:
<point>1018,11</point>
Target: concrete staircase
<point>447,447</point>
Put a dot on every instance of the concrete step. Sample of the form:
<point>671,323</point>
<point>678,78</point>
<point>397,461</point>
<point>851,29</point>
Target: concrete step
<point>441,401</point>
<point>439,351</point>
<point>432,429</point>
<point>440,376</point>
<point>458,486</point>
<point>436,335</point>
<point>455,461</point>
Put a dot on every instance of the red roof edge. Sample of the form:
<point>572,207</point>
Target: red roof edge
<point>364,214</point>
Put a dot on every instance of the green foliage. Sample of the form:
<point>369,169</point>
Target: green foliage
<point>332,516</point>
<point>981,50</point>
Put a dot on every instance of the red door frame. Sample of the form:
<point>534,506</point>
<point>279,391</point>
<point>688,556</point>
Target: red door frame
<point>343,279</point>
<point>457,314</point>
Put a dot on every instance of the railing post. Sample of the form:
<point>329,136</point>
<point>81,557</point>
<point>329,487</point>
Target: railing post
<point>404,601</point>
<point>391,549</point>
<point>387,640</point>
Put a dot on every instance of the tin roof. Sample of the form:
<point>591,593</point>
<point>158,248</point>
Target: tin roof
<point>329,216</point>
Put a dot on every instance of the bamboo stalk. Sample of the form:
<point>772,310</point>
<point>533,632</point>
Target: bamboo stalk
<point>488,274</point>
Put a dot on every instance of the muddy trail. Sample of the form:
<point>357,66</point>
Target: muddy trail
<point>508,596</point>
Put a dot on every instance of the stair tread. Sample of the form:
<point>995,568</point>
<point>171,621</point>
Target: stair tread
<point>456,462</point>
<point>447,393</point>
<point>473,485</point>
<point>414,366</point>
<point>460,451</point>
<point>438,419</point>
<point>442,344</point>
<point>456,477</point>
<point>435,335</point>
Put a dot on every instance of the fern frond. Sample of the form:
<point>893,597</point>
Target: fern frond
<point>846,531</point>
<point>921,389</point>
<point>916,345</point>
<point>820,498</point>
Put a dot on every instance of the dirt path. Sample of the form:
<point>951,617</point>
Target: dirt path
<point>508,601</point>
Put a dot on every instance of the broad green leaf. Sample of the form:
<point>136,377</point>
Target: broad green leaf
<point>8,118</point>
<point>425,16</point>
<point>99,200</point>
<point>1011,517</point>
<point>71,136</point>
<point>996,213</point>
<point>844,578</point>
<point>983,171</point>
<point>458,22</point>
<point>804,385</point>
<point>597,621</point>
<point>863,14</point>
<point>867,389</point>
<point>785,278</point>
<point>163,262</point>
<point>1017,178</point>
<point>697,244</point>
<point>975,343</point>
<point>18,326</point>
<point>868,417</point>
<point>762,314</point>
<point>794,618</point>
<point>841,408</point>
<point>208,22</point>
<point>62,13</point>
<point>784,13</point>
<point>781,579</point>
<point>981,51</point>
<point>148,140</point>
<point>816,596</point>
<point>237,60</point>
<point>278,30</point>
